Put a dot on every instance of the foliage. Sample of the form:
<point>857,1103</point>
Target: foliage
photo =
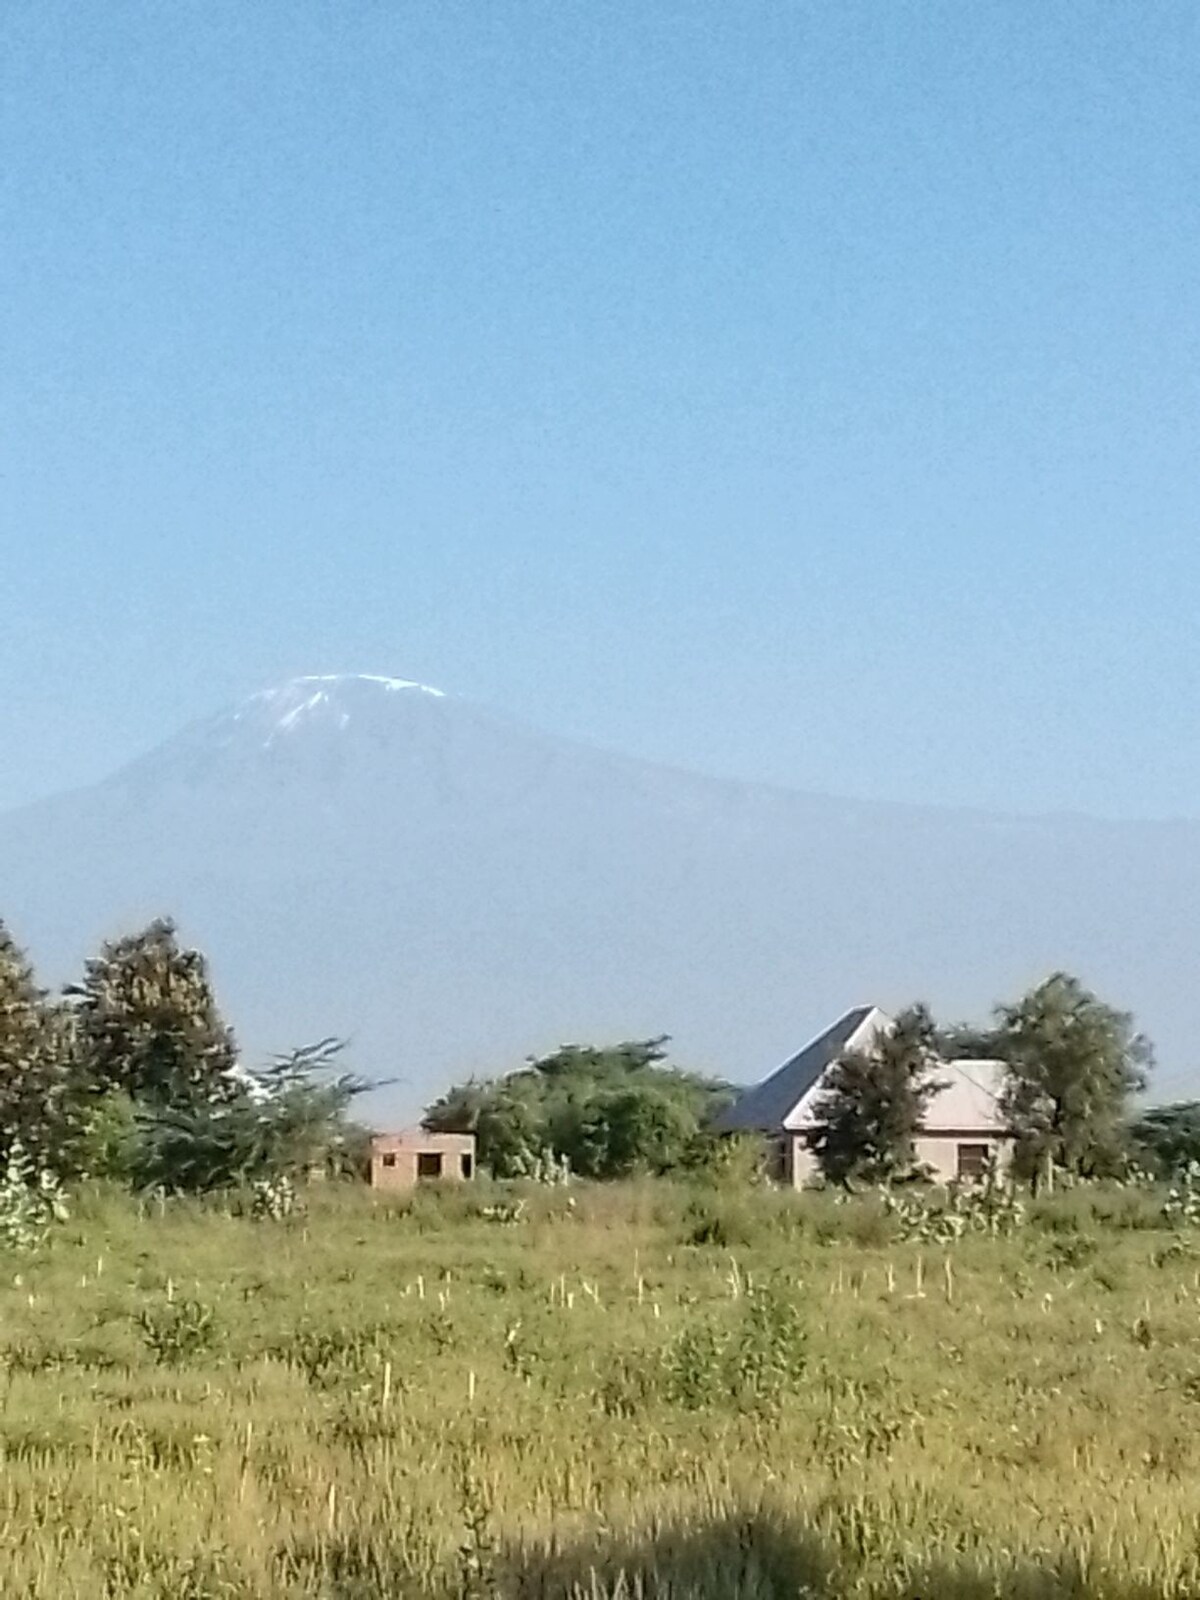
<point>609,1112</point>
<point>932,1216</point>
<point>31,1202</point>
<point>758,1358</point>
<point>545,1167</point>
<point>272,1199</point>
<point>965,1041</point>
<point>149,1026</point>
<point>108,1148</point>
<point>873,1102</point>
<point>735,1160</point>
<point>40,1100</point>
<point>1168,1135</point>
<point>1072,1065</point>
<point>578,1406</point>
<point>178,1331</point>
<point>1182,1206</point>
<point>507,1212</point>
<point>282,1123</point>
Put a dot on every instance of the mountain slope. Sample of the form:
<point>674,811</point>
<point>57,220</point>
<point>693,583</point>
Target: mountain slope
<point>369,857</point>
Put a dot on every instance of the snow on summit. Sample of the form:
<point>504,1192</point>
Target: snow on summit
<point>328,699</point>
<point>314,723</point>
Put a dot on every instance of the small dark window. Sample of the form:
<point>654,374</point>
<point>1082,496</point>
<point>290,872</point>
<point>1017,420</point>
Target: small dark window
<point>973,1160</point>
<point>466,1165</point>
<point>389,1161</point>
<point>429,1164</point>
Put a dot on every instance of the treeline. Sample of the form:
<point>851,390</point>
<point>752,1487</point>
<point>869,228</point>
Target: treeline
<point>1073,1067</point>
<point>133,1074</point>
<point>603,1113</point>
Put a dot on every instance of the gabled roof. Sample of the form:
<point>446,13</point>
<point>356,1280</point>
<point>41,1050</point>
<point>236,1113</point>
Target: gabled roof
<point>771,1104</point>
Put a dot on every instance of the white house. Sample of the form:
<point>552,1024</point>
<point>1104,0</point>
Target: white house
<point>963,1128</point>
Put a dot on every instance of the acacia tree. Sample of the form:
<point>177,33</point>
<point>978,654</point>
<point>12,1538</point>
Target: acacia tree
<point>39,1087</point>
<point>1072,1065</point>
<point>288,1120</point>
<point>873,1103</point>
<point>609,1110</point>
<point>149,1026</point>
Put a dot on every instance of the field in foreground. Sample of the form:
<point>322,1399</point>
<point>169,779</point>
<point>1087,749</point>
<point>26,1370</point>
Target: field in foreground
<point>373,1399</point>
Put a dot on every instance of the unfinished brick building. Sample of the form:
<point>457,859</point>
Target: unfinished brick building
<point>400,1160</point>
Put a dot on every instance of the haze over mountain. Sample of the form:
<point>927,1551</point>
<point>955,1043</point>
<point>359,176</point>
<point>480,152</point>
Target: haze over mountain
<point>369,857</point>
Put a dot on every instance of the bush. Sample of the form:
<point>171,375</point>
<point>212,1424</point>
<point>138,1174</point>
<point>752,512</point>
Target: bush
<point>755,1362</point>
<point>721,1222</point>
<point>31,1202</point>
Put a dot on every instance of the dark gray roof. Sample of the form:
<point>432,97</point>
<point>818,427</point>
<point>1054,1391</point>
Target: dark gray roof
<point>765,1107</point>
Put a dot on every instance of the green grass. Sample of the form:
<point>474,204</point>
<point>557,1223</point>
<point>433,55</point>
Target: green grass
<point>375,1399</point>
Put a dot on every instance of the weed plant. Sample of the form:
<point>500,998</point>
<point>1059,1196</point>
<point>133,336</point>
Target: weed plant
<point>585,1393</point>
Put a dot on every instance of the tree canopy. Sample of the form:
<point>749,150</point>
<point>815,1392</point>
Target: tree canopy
<point>39,1078</point>
<point>133,1075</point>
<point>609,1111</point>
<point>283,1122</point>
<point>1167,1138</point>
<point>873,1102</point>
<point>149,1026</point>
<point>1073,1064</point>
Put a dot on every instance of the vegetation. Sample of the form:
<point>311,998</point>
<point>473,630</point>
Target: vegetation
<point>224,1383</point>
<point>39,1077</point>
<point>1074,1063</point>
<point>406,1398</point>
<point>874,1102</point>
<point>149,1027</point>
<point>282,1123</point>
<point>1166,1139</point>
<point>609,1113</point>
<point>133,1075</point>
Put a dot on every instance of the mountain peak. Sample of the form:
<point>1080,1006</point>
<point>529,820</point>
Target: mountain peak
<point>323,699</point>
<point>312,724</point>
<point>327,681</point>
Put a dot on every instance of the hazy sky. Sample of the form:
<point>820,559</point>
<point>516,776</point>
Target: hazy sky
<point>801,391</point>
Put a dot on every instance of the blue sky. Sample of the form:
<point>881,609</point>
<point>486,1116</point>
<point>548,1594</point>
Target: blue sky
<point>800,391</point>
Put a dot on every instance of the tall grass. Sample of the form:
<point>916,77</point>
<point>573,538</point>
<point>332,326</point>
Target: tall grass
<point>640,1391</point>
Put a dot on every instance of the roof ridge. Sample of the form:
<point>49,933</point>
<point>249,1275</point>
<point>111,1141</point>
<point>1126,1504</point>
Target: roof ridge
<point>768,1104</point>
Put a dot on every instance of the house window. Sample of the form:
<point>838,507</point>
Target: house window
<point>429,1164</point>
<point>466,1165</point>
<point>973,1161</point>
<point>389,1161</point>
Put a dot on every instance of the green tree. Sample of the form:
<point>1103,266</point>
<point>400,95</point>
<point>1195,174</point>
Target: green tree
<point>873,1103</point>
<point>149,1026</point>
<point>608,1110</point>
<point>966,1041</point>
<point>1167,1138</point>
<point>285,1122</point>
<point>1073,1064</point>
<point>39,1085</point>
<point>640,1129</point>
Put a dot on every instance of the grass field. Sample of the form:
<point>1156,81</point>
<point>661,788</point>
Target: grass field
<point>379,1399</point>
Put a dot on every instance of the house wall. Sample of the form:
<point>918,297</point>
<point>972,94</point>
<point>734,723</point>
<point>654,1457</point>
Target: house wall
<point>402,1160</point>
<point>939,1151</point>
<point>803,1166</point>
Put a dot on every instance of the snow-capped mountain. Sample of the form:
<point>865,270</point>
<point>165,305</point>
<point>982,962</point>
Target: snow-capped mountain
<point>370,857</point>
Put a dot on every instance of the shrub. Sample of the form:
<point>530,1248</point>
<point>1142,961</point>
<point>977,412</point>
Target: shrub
<point>719,1221</point>
<point>178,1331</point>
<point>31,1202</point>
